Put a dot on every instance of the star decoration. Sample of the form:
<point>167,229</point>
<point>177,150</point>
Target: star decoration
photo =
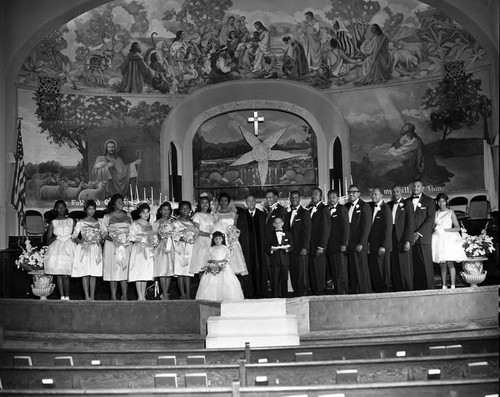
<point>262,152</point>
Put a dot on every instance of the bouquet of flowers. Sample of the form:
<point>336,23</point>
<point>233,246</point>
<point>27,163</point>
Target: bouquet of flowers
<point>91,235</point>
<point>477,246</point>
<point>214,267</point>
<point>119,237</point>
<point>187,235</point>
<point>32,258</point>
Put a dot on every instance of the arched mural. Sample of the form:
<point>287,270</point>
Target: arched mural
<point>177,46</point>
<point>116,72</point>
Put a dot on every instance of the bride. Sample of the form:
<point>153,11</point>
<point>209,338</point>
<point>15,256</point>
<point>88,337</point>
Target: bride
<point>225,221</point>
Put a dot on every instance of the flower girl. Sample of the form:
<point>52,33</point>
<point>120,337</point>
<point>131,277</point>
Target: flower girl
<point>219,282</point>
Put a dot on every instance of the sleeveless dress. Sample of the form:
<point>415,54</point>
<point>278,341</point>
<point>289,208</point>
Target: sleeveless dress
<point>58,259</point>
<point>225,223</point>
<point>183,250</point>
<point>446,246</point>
<point>141,267</point>
<point>88,255</point>
<point>116,254</point>
<point>223,286</point>
<point>164,253</point>
<point>202,243</point>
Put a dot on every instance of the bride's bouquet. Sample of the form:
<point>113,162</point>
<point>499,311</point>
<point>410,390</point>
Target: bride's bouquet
<point>187,235</point>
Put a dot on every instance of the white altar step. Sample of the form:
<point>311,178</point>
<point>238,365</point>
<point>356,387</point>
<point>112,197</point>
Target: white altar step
<point>262,323</point>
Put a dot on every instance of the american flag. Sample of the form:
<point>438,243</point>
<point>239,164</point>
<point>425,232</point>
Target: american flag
<point>18,197</point>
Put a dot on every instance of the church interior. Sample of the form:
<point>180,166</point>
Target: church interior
<point>144,102</point>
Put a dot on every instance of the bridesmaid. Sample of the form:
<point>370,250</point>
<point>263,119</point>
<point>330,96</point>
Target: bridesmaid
<point>88,255</point>
<point>184,233</point>
<point>58,260</point>
<point>141,256</point>
<point>116,253</point>
<point>204,222</point>
<point>164,253</point>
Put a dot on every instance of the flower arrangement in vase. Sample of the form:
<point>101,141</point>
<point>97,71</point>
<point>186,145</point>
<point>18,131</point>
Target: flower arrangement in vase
<point>31,260</point>
<point>476,248</point>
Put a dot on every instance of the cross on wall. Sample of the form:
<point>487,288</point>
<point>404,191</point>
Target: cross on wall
<point>256,119</point>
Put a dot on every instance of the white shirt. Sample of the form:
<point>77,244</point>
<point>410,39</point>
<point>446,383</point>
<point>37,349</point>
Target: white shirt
<point>351,210</point>
<point>252,212</point>
<point>314,208</point>
<point>292,214</point>
<point>394,210</point>
<point>333,209</point>
<point>415,201</point>
<point>376,209</point>
<point>279,236</point>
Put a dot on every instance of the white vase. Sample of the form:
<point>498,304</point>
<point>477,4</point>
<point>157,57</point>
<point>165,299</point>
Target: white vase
<point>473,273</point>
<point>42,284</point>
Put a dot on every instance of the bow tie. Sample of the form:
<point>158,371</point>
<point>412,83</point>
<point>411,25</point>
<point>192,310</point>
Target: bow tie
<point>294,208</point>
<point>279,231</point>
<point>415,197</point>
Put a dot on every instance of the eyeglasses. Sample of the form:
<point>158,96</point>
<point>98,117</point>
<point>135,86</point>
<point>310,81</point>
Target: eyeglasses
<point>352,191</point>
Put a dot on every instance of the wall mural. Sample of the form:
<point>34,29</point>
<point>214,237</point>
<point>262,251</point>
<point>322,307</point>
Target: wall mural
<point>99,146</point>
<point>273,149</point>
<point>178,46</point>
<point>123,66</point>
<point>413,131</point>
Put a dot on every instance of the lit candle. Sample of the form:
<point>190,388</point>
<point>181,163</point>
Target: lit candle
<point>131,194</point>
<point>351,180</point>
<point>159,202</point>
<point>137,193</point>
<point>346,187</point>
<point>145,200</point>
<point>152,201</point>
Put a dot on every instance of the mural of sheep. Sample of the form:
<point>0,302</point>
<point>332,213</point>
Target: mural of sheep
<point>94,194</point>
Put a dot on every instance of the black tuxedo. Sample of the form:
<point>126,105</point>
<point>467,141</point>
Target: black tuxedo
<point>337,260</point>
<point>280,264</point>
<point>300,230</point>
<point>320,231</point>
<point>277,211</point>
<point>423,276</point>
<point>360,225</point>
<point>380,237</point>
<point>402,231</point>
<point>252,240</point>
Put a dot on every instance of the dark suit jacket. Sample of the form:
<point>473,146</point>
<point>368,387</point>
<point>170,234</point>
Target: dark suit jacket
<point>280,257</point>
<point>339,230</point>
<point>300,230</point>
<point>424,218</point>
<point>247,244</point>
<point>320,229</point>
<point>381,230</point>
<point>279,211</point>
<point>404,224</point>
<point>360,225</point>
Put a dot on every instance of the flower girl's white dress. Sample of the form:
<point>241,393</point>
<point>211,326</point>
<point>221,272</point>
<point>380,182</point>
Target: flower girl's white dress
<point>222,286</point>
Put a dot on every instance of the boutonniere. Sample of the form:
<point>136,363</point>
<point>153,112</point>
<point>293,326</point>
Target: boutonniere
<point>401,204</point>
<point>334,210</point>
<point>419,205</point>
<point>357,206</point>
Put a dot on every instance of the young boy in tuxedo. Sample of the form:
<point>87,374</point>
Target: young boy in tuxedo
<point>278,246</point>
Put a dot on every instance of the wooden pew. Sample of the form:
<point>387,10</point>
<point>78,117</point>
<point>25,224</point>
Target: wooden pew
<point>469,388</point>
<point>291,373</point>
<point>320,352</point>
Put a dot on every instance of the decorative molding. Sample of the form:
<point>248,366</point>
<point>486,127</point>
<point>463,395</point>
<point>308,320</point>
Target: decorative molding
<point>253,104</point>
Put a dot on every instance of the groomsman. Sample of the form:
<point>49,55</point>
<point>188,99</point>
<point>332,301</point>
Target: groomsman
<point>357,248</point>
<point>336,251</point>
<point>298,222</point>
<point>251,224</point>
<point>402,236</point>
<point>274,210</point>
<point>380,243</point>
<point>425,211</point>
<point>320,231</point>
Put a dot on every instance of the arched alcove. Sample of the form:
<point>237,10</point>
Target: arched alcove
<point>322,114</point>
